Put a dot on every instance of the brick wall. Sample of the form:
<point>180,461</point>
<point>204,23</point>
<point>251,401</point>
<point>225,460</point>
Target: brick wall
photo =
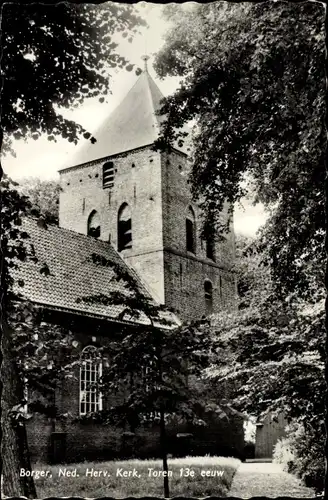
<point>186,272</point>
<point>155,187</point>
<point>138,183</point>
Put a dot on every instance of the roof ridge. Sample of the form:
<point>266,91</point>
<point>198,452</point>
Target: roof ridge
<point>150,82</point>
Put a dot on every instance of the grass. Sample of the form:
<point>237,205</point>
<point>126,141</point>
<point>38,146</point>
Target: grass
<point>215,483</point>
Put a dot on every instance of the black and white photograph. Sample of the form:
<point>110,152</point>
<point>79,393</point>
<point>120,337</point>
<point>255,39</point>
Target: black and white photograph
<point>163,256</point>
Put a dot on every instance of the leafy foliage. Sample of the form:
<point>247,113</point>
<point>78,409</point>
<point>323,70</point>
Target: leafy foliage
<point>43,197</point>
<point>45,353</point>
<point>171,353</point>
<point>253,81</point>
<point>271,356</point>
<point>151,367</point>
<point>274,360</point>
<point>302,453</point>
<point>55,56</point>
<point>13,207</point>
<point>272,349</point>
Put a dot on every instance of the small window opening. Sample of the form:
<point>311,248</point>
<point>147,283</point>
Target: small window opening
<point>208,293</point>
<point>94,224</point>
<point>124,228</point>
<point>108,174</point>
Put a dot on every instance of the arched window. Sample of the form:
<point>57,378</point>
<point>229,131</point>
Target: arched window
<point>124,228</point>
<point>90,375</point>
<point>208,293</point>
<point>190,231</point>
<point>94,224</point>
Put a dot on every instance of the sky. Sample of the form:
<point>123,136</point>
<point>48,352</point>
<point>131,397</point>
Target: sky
<point>43,159</point>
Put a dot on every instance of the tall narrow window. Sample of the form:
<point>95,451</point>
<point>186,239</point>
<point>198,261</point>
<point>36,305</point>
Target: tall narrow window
<point>208,292</point>
<point>108,174</point>
<point>94,224</point>
<point>190,231</point>
<point>90,375</point>
<point>124,228</point>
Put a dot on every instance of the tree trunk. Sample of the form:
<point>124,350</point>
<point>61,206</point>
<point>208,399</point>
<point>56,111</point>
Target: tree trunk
<point>164,454</point>
<point>14,449</point>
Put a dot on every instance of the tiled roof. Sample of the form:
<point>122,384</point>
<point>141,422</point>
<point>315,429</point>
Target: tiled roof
<point>131,125</point>
<point>69,273</point>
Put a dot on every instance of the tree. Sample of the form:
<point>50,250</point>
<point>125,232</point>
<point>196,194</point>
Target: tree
<point>43,196</point>
<point>44,67</point>
<point>153,365</point>
<point>253,81</point>
<point>14,448</point>
<point>271,354</point>
<point>56,56</point>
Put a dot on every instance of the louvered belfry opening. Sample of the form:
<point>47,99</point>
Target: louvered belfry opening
<point>108,175</point>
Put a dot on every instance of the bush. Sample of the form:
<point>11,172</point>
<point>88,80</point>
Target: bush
<point>284,454</point>
<point>302,453</point>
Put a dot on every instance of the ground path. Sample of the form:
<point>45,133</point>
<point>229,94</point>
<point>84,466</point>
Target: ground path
<point>254,479</point>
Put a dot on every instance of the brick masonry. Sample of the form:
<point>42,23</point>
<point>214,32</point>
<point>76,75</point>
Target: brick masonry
<point>155,187</point>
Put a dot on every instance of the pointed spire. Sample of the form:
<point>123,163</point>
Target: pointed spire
<point>145,59</point>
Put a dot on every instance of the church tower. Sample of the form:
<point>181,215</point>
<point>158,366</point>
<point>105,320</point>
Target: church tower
<point>138,199</point>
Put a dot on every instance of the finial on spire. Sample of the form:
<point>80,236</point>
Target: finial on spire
<point>145,59</point>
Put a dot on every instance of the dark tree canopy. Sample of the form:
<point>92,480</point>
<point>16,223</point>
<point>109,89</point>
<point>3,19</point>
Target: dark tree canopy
<point>58,55</point>
<point>253,81</point>
<point>52,57</point>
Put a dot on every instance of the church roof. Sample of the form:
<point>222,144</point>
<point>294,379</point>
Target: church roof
<point>59,271</point>
<point>131,125</point>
